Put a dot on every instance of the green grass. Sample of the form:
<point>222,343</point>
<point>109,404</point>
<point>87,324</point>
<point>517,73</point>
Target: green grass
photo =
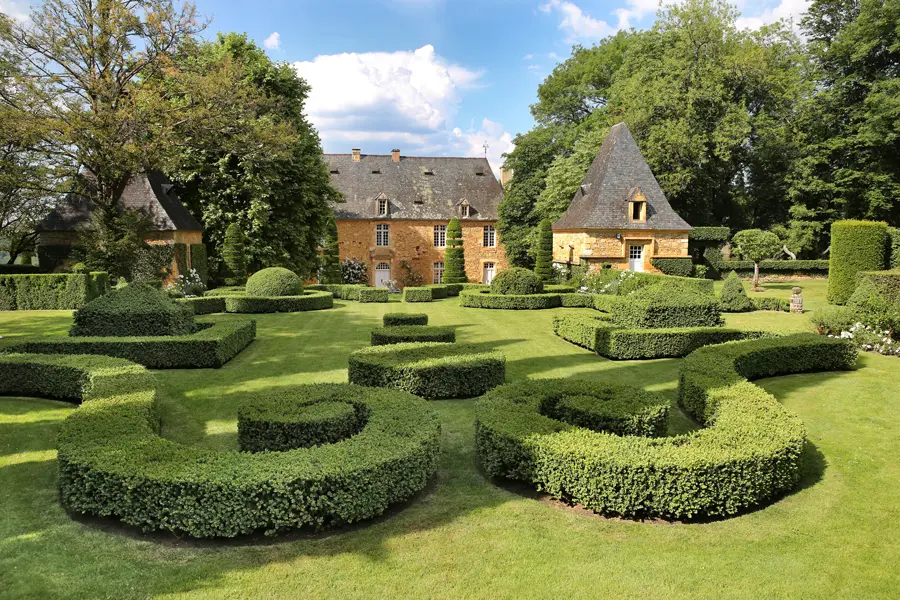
<point>835,537</point>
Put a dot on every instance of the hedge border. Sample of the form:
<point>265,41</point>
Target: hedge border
<point>394,319</point>
<point>313,300</point>
<point>113,463</point>
<point>856,246</point>
<point>417,294</point>
<point>428,369</point>
<point>674,266</point>
<point>211,347</point>
<point>369,295</point>
<point>398,334</point>
<point>479,299</point>
<point>51,291</point>
<point>205,305</point>
<point>269,425</point>
<point>749,454</point>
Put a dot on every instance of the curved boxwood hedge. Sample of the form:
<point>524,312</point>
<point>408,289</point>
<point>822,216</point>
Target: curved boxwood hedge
<point>609,341</point>
<point>478,299</point>
<point>205,305</point>
<point>749,454</point>
<point>677,267</point>
<point>417,294</point>
<point>394,319</point>
<point>211,347</point>
<point>665,307</point>
<point>577,300</point>
<point>397,334</point>
<point>113,463</point>
<point>373,295</point>
<point>314,300</point>
<point>559,288</point>
<point>856,246</point>
<point>429,370</point>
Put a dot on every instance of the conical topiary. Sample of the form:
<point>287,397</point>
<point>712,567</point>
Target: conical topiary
<point>543,264</point>
<point>454,255</point>
<point>234,257</point>
<point>733,297</point>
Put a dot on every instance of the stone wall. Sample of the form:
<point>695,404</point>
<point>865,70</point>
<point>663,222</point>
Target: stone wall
<point>596,247</point>
<point>413,241</point>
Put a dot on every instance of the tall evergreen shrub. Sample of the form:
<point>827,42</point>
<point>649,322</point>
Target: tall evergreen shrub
<point>454,254</point>
<point>331,261</point>
<point>733,297</point>
<point>234,256</point>
<point>543,265</point>
<point>855,246</point>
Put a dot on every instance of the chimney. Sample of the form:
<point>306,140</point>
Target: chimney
<point>395,155</point>
<point>355,155</point>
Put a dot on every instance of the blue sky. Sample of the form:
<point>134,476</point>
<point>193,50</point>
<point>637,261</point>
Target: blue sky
<point>431,77</point>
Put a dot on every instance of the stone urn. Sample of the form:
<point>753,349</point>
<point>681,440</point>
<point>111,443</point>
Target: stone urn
<point>796,300</point>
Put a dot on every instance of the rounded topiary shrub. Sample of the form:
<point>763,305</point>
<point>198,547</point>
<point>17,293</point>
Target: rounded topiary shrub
<point>517,281</point>
<point>274,281</point>
<point>138,309</point>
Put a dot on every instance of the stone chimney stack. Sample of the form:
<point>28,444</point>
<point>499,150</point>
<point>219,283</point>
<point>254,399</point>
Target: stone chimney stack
<point>395,155</point>
<point>356,155</point>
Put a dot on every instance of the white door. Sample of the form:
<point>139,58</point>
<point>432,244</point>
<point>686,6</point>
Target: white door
<point>489,273</point>
<point>636,258</point>
<point>382,274</point>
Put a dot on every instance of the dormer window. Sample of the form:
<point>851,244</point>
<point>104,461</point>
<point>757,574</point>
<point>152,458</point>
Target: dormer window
<point>428,171</point>
<point>479,171</point>
<point>465,210</point>
<point>382,207</point>
<point>637,206</point>
<point>638,210</point>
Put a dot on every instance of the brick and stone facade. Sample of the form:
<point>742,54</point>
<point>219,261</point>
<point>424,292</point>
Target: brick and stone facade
<point>410,196</point>
<point>619,215</point>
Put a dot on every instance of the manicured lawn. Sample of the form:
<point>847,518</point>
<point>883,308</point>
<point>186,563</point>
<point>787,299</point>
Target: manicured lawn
<point>466,537</point>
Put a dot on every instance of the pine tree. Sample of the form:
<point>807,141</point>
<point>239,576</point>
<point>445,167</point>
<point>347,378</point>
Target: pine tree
<point>234,257</point>
<point>543,264</point>
<point>454,255</point>
<point>331,262</point>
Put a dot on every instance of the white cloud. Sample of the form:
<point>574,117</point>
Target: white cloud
<point>17,9</point>
<point>576,23</point>
<point>787,9</point>
<point>472,142</point>
<point>273,42</point>
<point>528,57</point>
<point>405,99</point>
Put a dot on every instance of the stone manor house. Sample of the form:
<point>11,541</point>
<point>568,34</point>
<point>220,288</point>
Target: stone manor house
<point>396,211</point>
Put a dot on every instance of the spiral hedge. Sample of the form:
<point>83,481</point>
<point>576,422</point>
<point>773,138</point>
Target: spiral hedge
<point>748,454</point>
<point>398,334</point>
<point>429,369</point>
<point>113,463</point>
<point>310,300</point>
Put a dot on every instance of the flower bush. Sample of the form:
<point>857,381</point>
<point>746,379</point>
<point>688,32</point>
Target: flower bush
<point>187,286</point>
<point>871,339</point>
<point>354,271</point>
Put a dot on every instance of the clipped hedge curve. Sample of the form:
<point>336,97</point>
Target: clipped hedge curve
<point>310,300</point>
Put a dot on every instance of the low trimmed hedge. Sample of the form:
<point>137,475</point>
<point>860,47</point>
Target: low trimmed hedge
<point>710,234</point>
<point>373,295</point>
<point>395,319</point>
<point>398,334</point>
<point>677,267</point>
<point>113,463</point>
<point>214,345</point>
<point>577,300</point>
<point>559,288</point>
<point>417,294</point>
<point>439,291</point>
<point>227,290</point>
<point>205,305</point>
<point>476,299</point>
<point>313,300</point>
<point>453,289</point>
<point>664,307</point>
<point>340,291</point>
<point>429,370</point>
<point>51,291</point>
<point>609,341</point>
<point>749,455</point>
<point>138,309</point>
<point>778,304</point>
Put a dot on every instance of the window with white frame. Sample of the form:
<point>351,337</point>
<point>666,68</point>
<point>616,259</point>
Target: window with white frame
<point>490,236</point>
<point>382,206</point>
<point>440,236</point>
<point>382,235</point>
<point>438,272</point>
<point>465,211</point>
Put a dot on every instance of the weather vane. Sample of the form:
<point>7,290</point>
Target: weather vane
<point>486,146</point>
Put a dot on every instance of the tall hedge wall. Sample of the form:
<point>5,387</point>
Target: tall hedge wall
<point>855,246</point>
<point>51,291</point>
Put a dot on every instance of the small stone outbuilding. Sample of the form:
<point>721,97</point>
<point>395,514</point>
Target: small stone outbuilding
<point>619,215</point>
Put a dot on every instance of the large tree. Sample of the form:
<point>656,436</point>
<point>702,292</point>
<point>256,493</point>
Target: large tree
<point>850,129</point>
<point>283,201</point>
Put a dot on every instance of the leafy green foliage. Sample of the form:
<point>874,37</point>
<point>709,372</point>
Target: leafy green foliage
<point>543,266</point>
<point>58,291</point>
<point>137,309</point>
<point>204,305</point>
<point>209,348</point>
<point>516,281</point>
<point>396,319</point>
<point>748,455</point>
<point>316,415</point>
<point>484,299</point>
<point>330,271</point>
<point>368,294</point>
<point>733,297</point>
<point>622,283</point>
<point>663,306</point>
<point>454,254</point>
<point>180,257</point>
<point>234,256</point>
<point>855,246</point>
<point>417,294</point>
<point>677,267</point>
<point>398,334</point>
<point>876,300</point>
<point>273,282</point>
<point>710,235</point>
<point>307,300</point>
<point>894,248</point>
<point>756,245</point>
<point>341,291</point>
<point>832,320</point>
<point>429,370</point>
<point>200,262</point>
<point>440,291</point>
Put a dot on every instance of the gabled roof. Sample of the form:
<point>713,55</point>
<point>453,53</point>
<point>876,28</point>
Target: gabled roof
<point>618,172</point>
<point>150,193</point>
<point>416,187</point>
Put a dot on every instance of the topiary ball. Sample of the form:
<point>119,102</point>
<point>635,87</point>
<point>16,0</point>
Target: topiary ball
<point>138,309</point>
<point>517,281</point>
<point>274,281</point>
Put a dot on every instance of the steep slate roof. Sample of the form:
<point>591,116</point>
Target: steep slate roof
<point>601,201</point>
<point>150,193</point>
<point>410,191</point>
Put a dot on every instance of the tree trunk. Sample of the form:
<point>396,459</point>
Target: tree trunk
<point>755,276</point>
